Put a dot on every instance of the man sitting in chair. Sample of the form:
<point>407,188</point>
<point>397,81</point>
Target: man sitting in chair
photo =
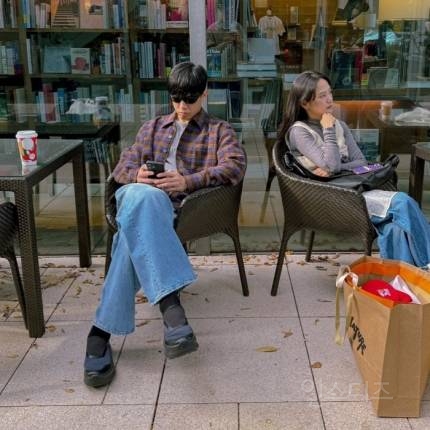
<point>196,151</point>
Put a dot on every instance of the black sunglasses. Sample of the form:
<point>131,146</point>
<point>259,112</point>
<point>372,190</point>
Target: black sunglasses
<point>189,99</point>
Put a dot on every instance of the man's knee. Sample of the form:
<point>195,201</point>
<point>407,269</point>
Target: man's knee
<point>136,195</point>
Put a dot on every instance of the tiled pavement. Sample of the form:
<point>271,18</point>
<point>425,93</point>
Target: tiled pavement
<point>263,363</point>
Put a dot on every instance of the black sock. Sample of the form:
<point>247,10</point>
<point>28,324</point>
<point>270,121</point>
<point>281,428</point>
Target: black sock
<point>173,312</point>
<point>169,300</point>
<point>96,341</point>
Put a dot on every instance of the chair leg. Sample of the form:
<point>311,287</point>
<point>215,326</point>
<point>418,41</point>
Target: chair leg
<point>310,246</point>
<point>10,256</point>
<point>271,175</point>
<point>368,245</point>
<point>233,232</point>
<point>279,264</point>
<point>240,264</point>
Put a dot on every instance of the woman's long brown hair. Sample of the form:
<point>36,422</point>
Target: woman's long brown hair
<point>303,90</point>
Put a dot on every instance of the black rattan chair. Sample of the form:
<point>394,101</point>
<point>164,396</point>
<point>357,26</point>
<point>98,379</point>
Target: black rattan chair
<point>8,229</point>
<point>201,214</point>
<point>315,205</point>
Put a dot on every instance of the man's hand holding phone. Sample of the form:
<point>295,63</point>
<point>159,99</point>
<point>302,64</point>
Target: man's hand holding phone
<point>155,167</point>
<point>153,173</point>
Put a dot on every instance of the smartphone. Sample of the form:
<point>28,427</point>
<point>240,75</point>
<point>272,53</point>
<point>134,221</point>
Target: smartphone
<point>155,167</point>
<point>368,168</point>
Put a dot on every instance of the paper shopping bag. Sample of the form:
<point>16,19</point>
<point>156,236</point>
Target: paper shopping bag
<point>390,342</point>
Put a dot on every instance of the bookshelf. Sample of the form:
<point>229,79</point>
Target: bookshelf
<point>54,52</point>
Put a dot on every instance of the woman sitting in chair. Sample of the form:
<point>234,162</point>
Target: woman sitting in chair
<point>325,145</point>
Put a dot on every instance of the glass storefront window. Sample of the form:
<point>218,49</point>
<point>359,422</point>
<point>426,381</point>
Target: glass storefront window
<point>372,50</point>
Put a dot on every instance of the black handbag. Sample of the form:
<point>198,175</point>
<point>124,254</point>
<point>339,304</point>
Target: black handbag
<point>384,178</point>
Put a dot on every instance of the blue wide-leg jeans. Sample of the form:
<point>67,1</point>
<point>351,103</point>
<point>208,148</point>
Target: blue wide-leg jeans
<point>404,233</point>
<point>146,253</point>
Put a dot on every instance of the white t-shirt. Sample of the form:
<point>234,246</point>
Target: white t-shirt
<point>170,163</point>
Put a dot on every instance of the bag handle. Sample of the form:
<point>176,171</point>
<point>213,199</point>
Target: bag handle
<point>343,274</point>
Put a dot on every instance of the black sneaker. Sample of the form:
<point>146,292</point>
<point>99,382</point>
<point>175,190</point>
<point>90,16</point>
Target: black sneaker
<point>179,340</point>
<point>99,371</point>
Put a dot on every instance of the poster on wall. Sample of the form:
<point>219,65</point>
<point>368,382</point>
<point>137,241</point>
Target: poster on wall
<point>347,10</point>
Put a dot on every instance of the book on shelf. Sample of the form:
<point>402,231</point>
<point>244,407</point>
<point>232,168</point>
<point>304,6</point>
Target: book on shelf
<point>257,73</point>
<point>56,59</point>
<point>8,16</point>
<point>92,14</point>
<point>141,13</point>
<point>218,102</point>
<point>261,50</point>
<point>34,54</point>
<point>80,60</point>
<point>9,58</point>
<point>4,112</point>
<point>42,13</point>
<point>19,104</point>
<point>214,63</point>
<point>156,14</point>
<point>64,13</point>
<point>255,66</point>
<point>177,14</point>
<point>117,13</point>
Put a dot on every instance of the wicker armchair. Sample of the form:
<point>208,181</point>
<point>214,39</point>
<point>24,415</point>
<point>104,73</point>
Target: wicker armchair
<point>201,214</point>
<point>314,205</point>
<point>8,229</point>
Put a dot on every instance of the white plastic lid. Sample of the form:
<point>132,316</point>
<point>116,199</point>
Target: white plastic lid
<point>26,133</point>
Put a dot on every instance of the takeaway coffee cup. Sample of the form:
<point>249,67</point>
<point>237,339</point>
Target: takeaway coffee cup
<point>386,109</point>
<point>27,146</point>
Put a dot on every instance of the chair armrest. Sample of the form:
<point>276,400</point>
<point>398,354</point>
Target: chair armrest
<point>110,202</point>
<point>208,210</point>
<point>322,198</point>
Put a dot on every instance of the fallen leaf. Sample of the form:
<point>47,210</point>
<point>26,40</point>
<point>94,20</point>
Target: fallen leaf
<point>324,301</point>
<point>141,299</point>
<point>69,390</point>
<point>213,269</point>
<point>142,323</point>
<point>287,333</point>
<point>51,328</point>
<point>267,349</point>
<point>316,365</point>
<point>316,321</point>
<point>321,268</point>
<point>12,356</point>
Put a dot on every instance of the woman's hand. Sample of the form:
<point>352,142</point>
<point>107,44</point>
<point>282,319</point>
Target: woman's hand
<point>327,120</point>
<point>320,172</point>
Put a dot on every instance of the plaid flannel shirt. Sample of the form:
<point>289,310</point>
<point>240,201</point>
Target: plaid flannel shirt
<point>208,153</point>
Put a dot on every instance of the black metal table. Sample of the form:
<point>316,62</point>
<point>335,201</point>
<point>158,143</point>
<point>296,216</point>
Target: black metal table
<point>420,153</point>
<point>52,154</point>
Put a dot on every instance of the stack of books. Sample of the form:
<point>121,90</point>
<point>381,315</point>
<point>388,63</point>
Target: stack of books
<point>256,70</point>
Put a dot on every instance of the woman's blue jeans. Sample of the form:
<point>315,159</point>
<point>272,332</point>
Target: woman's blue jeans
<point>404,233</point>
<point>146,253</point>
